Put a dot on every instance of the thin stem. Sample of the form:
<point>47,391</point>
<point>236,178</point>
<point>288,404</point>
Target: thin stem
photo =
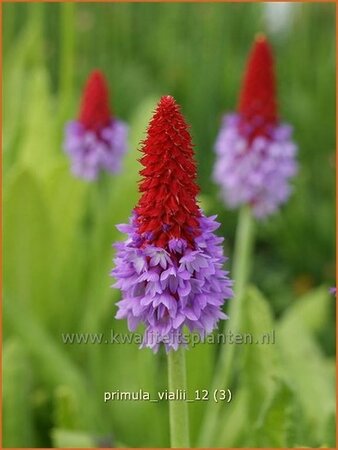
<point>67,56</point>
<point>242,255</point>
<point>240,274</point>
<point>178,409</point>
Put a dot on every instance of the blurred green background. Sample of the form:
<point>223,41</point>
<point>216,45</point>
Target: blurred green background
<point>58,230</point>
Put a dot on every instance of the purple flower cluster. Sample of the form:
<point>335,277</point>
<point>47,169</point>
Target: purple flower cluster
<point>92,151</point>
<point>168,289</point>
<point>254,171</point>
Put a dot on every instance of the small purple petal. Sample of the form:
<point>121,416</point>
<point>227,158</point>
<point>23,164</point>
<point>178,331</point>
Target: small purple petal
<point>92,152</point>
<point>167,291</point>
<point>256,173</point>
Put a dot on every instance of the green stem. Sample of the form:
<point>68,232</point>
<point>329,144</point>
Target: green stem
<point>178,409</point>
<point>240,274</point>
<point>242,255</point>
<point>67,56</point>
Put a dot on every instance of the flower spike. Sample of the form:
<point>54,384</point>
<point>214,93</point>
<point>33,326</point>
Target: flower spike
<point>96,141</point>
<point>170,267</point>
<point>255,152</point>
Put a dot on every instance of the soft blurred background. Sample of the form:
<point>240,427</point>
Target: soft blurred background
<point>58,230</point>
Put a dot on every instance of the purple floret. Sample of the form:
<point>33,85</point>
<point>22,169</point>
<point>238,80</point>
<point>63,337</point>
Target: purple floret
<point>255,172</point>
<point>169,289</point>
<point>92,152</point>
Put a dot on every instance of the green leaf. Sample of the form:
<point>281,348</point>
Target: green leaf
<point>234,421</point>
<point>312,309</point>
<point>256,372</point>
<point>67,202</point>
<point>330,431</point>
<point>24,53</point>
<point>66,408</point>
<point>67,199</point>
<point>72,439</point>
<point>18,427</point>
<point>259,361</point>
<point>306,369</point>
<point>28,244</point>
<point>280,422</point>
<point>40,149</point>
<point>141,369</point>
<point>52,365</point>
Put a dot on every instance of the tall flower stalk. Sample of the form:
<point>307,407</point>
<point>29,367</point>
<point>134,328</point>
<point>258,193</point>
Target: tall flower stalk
<point>254,165</point>
<point>178,410</point>
<point>170,267</point>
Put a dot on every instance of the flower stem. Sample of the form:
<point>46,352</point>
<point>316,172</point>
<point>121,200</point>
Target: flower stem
<point>242,256</point>
<point>67,57</point>
<point>178,409</point>
<point>240,274</point>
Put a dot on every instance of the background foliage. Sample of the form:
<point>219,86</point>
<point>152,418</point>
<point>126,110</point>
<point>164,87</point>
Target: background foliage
<point>58,230</point>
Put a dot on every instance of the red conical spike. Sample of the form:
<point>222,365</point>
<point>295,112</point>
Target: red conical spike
<point>95,112</point>
<point>167,207</point>
<point>257,104</point>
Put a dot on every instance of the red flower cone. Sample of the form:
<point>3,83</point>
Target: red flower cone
<point>95,111</point>
<point>258,104</point>
<point>167,208</point>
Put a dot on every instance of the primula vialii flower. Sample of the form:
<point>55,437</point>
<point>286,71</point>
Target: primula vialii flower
<point>170,267</point>
<point>97,140</point>
<point>255,152</point>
